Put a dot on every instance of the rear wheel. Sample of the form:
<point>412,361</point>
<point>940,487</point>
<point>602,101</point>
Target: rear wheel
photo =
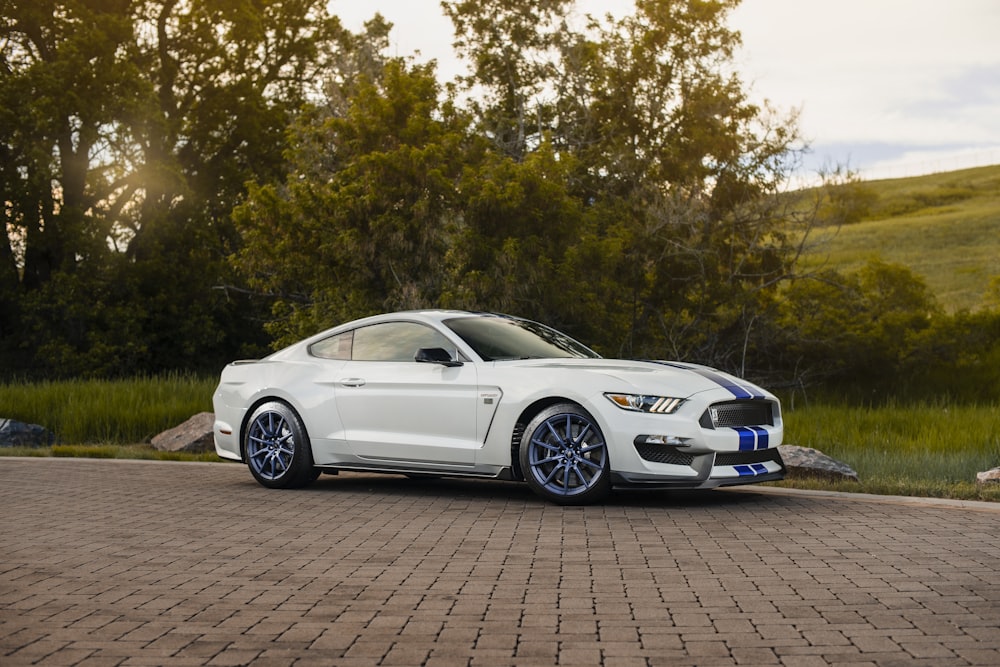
<point>564,456</point>
<point>277,448</point>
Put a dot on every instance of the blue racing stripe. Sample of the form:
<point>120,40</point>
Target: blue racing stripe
<point>762,436</point>
<point>748,438</point>
<point>751,470</point>
<point>735,389</point>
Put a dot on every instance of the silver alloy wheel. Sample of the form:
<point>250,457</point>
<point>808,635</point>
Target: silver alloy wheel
<point>270,445</point>
<point>567,457</point>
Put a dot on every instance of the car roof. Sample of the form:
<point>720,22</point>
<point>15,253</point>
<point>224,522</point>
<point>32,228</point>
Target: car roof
<point>426,316</point>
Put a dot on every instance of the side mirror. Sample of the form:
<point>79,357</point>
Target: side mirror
<point>435,355</point>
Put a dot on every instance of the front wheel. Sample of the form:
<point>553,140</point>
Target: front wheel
<point>564,456</point>
<point>277,447</point>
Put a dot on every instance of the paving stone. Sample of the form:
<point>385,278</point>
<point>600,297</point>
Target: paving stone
<point>148,563</point>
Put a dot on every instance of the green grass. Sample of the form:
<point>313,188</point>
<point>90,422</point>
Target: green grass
<point>920,449</point>
<point>110,412</point>
<point>944,227</point>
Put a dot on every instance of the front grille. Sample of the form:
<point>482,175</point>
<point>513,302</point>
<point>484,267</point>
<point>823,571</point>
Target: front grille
<point>663,454</point>
<point>744,458</point>
<point>738,413</point>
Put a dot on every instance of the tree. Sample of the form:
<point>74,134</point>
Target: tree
<point>366,217</point>
<point>519,229</point>
<point>129,130</point>
<point>676,174</point>
<point>862,327</point>
<point>509,44</point>
<point>612,179</point>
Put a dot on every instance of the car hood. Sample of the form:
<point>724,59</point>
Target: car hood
<point>681,379</point>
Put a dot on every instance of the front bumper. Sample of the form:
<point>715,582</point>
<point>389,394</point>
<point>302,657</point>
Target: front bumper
<point>709,471</point>
<point>693,449</point>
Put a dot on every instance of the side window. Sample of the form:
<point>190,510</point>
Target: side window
<point>395,341</point>
<point>334,347</point>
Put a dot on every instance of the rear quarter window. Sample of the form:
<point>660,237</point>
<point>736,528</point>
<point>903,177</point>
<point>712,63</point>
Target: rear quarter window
<point>334,347</point>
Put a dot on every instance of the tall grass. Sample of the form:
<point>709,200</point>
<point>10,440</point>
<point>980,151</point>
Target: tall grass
<point>107,411</point>
<point>900,448</point>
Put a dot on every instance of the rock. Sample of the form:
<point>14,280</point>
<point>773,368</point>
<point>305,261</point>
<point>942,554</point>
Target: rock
<point>808,462</point>
<point>18,434</point>
<point>988,477</point>
<point>194,435</point>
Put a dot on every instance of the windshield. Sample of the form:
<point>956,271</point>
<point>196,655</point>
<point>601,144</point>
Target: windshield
<point>496,338</point>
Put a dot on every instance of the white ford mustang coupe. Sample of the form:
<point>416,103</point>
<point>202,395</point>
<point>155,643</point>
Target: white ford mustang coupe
<point>440,393</point>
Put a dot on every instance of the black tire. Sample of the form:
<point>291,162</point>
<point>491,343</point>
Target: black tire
<point>277,448</point>
<point>564,456</point>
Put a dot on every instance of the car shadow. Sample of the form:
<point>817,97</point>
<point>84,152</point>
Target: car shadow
<point>487,490</point>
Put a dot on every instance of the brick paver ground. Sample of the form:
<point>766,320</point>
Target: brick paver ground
<point>137,563</point>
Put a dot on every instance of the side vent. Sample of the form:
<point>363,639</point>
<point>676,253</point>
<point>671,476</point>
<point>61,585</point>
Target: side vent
<point>515,444</point>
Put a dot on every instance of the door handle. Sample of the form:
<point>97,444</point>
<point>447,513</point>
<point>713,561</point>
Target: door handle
<point>352,382</point>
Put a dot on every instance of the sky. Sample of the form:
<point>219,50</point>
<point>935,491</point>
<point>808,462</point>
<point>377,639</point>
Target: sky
<point>887,88</point>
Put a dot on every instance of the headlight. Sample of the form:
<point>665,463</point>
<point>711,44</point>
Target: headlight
<point>662,405</point>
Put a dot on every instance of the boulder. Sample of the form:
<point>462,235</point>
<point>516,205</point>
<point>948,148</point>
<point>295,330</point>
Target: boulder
<point>988,477</point>
<point>194,435</point>
<point>808,462</point>
<point>18,434</point>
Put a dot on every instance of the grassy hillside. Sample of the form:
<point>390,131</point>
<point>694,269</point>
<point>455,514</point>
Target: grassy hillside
<point>944,227</point>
